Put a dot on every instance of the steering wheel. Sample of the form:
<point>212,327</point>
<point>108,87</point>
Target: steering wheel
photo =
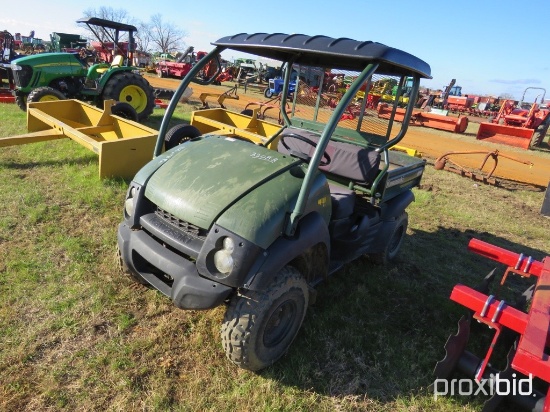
<point>305,157</point>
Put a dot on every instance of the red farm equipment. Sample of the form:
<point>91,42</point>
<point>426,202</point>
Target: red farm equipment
<point>425,119</point>
<point>106,50</point>
<point>7,44</point>
<point>520,334</point>
<point>459,104</point>
<point>178,68</point>
<point>524,126</point>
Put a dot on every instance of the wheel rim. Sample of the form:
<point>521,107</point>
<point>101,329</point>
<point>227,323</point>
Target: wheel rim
<point>280,323</point>
<point>135,96</point>
<point>48,98</point>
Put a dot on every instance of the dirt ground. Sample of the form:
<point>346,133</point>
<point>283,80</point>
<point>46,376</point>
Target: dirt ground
<point>513,165</point>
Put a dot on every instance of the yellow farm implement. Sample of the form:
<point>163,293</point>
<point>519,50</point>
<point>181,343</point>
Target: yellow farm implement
<point>123,145</point>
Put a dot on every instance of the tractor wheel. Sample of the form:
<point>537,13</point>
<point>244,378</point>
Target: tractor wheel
<point>133,89</point>
<point>538,135</point>
<point>45,94</point>
<point>124,110</point>
<point>179,134</point>
<point>259,328</point>
<point>161,74</point>
<point>21,102</point>
<point>393,246</point>
<point>268,93</point>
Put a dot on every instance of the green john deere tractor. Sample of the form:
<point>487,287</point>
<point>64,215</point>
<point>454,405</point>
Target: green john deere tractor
<point>58,76</point>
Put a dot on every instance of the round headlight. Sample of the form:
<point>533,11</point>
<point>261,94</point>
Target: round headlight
<point>129,206</point>
<point>129,203</point>
<point>223,261</point>
<point>228,244</point>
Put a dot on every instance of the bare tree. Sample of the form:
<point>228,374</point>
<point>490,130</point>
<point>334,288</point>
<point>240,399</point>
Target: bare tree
<point>143,37</point>
<point>165,36</point>
<point>155,35</point>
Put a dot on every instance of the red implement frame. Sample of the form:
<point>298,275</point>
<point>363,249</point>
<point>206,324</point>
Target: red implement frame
<point>531,356</point>
<point>6,96</point>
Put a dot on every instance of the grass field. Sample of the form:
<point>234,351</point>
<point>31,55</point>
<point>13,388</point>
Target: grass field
<point>75,334</point>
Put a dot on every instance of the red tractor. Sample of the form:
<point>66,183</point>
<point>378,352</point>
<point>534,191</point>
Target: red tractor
<point>524,126</point>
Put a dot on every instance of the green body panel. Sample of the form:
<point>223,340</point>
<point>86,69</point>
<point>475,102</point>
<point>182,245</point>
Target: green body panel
<point>93,73</point>
<point>51,66</point>
<point>143,175</point>
<point>104,79</point>
<point>203,180</point>
<point>260,216</point>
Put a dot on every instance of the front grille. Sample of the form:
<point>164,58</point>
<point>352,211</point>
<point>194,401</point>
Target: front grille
<point>22,77</point>
<point>188,228</point>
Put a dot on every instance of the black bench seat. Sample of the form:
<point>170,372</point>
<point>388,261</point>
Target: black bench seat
<point>349,162</point>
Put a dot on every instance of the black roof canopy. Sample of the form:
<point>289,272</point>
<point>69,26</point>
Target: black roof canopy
<point>96,21</point>
<point>326,51</point>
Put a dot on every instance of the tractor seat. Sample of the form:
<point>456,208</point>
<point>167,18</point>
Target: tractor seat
<point>118,61</point>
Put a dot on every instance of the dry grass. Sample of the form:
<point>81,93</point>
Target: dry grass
<point>77,335</point>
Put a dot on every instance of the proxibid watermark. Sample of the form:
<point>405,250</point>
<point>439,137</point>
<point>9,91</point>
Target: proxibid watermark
<point>489,387</point>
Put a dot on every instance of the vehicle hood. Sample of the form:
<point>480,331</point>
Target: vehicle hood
<point>46,58</point>
<point>208,176</point>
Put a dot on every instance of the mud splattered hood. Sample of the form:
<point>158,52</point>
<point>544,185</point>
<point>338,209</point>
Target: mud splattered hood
<point>199,183</point>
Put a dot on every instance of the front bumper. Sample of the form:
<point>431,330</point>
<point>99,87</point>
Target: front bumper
<point>168,272</point>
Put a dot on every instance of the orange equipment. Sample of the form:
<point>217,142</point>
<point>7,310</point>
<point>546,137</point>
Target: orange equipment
<point>426,119</point>
<point>517,126</point>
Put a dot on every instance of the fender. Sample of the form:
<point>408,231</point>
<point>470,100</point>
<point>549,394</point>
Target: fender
<point>390,212</point>
<point>312,230</point>
<point>397,205</point>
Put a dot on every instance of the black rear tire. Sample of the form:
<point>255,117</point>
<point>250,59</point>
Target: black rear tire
<point>131,88</point>
<point>259,328</point>
<point>392,248</point>
<point>180,134</point>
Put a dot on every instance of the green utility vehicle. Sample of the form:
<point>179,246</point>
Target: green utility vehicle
<point>59,76</point>
<point>224,218</point>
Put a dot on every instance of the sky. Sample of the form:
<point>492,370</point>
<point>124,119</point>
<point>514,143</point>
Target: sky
<point>489,47</point>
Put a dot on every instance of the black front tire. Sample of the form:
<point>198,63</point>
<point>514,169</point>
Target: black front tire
<point>21,101</point>
<point>259,328</point>
<point>180,134</point>
<point>45,94</point>
<point>392,248</point>
<point>538,135</point>
<point>268,93</point>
